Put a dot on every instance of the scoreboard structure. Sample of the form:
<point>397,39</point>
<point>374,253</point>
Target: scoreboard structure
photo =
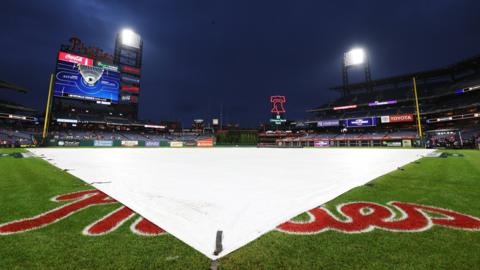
<point>86,74</point>
<point>79,77</point>
<point>128,56</point>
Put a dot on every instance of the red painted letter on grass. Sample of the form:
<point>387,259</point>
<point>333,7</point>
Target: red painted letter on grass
<point>83,199</point>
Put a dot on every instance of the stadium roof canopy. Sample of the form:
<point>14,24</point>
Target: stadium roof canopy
<point>452,72</point>
<point>11,86</point>
<point>6,105</point>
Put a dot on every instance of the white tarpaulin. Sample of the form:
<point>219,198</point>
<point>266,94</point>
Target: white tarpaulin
<point>244,192</point>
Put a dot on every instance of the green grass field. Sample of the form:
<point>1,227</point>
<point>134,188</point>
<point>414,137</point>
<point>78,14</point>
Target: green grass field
<point>28,184</point>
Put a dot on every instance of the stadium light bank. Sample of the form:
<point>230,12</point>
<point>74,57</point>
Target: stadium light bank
<point>355,57</point>
<point>130,38</point>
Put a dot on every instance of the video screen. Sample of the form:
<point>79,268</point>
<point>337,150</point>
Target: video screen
<point>87,82</point>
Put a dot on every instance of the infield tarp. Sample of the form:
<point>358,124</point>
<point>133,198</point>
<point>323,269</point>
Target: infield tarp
<point>244,192</point>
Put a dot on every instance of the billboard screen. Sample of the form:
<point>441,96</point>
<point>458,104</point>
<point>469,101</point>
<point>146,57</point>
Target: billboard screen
<point>345,107</point>
<point>328,123</point>
<point>130,79</point>
<point>381,103</point>
<point>131,70</point>
<point>129,88</point>
<point>205,142</point>
<point>361,122</point>
<point>129,99</point>
<point>321,144</point>
<point>397,118</point>
<point>72,58</point>
<point>87,82</point>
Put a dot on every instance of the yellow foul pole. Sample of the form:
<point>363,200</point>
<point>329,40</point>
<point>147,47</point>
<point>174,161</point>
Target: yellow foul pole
<point>47,110</point>
<point>419,123</point>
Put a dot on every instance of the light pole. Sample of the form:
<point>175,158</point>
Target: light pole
<point>355,57</point>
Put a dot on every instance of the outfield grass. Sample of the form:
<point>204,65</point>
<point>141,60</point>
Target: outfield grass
<point>26,186</point>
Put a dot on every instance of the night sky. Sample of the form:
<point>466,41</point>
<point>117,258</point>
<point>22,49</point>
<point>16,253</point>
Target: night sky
<point>201,54</point>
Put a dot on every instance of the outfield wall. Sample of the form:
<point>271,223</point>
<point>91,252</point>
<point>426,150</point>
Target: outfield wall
<point>130,143</point>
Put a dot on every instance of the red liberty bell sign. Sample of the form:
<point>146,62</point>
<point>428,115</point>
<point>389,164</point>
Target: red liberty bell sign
<point>278,109</point>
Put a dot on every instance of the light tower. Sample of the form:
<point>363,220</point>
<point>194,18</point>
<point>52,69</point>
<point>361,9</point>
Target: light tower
<point>128,55</point>
<point>352,58</point>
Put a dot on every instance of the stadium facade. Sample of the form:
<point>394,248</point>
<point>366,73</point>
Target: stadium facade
<point>383,112</point>
<point>94,101</point>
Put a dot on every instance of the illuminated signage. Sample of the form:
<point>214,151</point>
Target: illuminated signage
<point>77,46</point>
<point>397,118</point>
<point>467,89</point>
<point>62,120</point>
<point>361,122</point>
<point>72,58</point>
<point>345,107</point>
<point>130,79</point>
<point>130,88</point>
<point>205,142</point>
<point>278,120</point>
<point>381,103</point>
<point>454,117</point>
<point>277,103</point>
<point>130,98</point>
<point>105,66</point>
<point>328,123</point>
<point>130,70</point>
<point>154,126</point>
<point>86,82</point>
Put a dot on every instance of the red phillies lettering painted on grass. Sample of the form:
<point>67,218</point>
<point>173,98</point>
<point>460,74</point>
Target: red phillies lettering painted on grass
<point>355,217</point>
<point>358,217</point>
<point>82,200</point>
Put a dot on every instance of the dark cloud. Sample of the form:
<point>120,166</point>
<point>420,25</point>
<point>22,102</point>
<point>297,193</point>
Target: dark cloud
<point>199,55</point>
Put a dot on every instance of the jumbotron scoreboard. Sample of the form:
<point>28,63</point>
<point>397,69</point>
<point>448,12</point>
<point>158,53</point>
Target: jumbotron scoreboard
<point>89,74</point>
<point>78,77</point>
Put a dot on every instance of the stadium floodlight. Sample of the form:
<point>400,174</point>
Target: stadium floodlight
<point>356,56</point>
<point>130,38</point>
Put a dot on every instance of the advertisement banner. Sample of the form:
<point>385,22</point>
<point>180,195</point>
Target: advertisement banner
<point>134,89</point>
<point>328,123</point>
<point>321,144</point>
<point>102,143</point>
<point>77,59</point>
<point>361,122</point>
<point>176,144</point>
<point>130,79</point>
<point>131,70</point>
<point>68,143</point>
<point>392,144</point>
<point>152,143</point>
<point>398,118</point>
<point>155,126</point>
<point>190,143</point>
<point>380,103</point>
<point>345,107</point>
<point>129,143</point>
<point>106,66</point>
<point>407,143</point>
<point>129,98</point>
<point>205,142</point>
